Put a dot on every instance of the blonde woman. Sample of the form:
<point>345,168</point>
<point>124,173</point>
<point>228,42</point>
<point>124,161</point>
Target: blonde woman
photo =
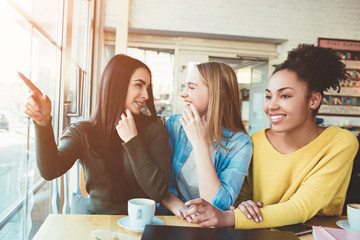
<point>210,149</point>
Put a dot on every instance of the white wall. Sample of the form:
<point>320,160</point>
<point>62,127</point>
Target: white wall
<point>298,21</point>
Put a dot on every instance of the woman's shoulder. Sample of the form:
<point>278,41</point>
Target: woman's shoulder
<point>80,129</point>
<point>77,127</point>
<point>173,122</point>
<point>157,123</point>
<point>235,138</point>
<point>259,135</point>
<point>154,127</point>
<point>174,118</point>
<point>336,130</point>
<point>335,133</point>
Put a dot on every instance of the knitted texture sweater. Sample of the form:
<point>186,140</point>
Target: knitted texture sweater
<point>138,168</point>
<point>295,187</point>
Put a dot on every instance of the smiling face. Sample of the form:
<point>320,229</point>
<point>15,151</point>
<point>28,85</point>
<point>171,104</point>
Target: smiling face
<point>196,92</point>
<point>287,104</point>
<point>137,92</point>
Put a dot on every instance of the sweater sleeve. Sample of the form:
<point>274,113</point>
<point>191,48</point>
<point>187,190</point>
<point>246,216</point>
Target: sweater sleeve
<point>51,160</point>
<point>233,174</point>
<point>150,161</point>
<point>320,187</point>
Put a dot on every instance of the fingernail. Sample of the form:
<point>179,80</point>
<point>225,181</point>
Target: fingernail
<point>248,216</point>
<point>256,220</point>
<point>261,219</point>
<point>37,108</point>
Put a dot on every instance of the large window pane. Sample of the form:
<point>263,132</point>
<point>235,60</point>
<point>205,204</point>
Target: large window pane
<point>45,75</point>
<point>15,49</point>
<point>25,5</point>
<point>33,52</point>
<point>38,208</point>
<point>79,55</point>
<point>47,15</point>
<point>80,32</point>
<point>26,221</point>
<point>45,67</point>
<point>14,227</point>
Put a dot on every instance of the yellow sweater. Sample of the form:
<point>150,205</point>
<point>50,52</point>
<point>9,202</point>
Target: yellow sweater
<point>297,186</point>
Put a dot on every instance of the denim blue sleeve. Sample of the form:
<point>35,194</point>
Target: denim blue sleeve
<point>233,171</point>
<point>170,126</point>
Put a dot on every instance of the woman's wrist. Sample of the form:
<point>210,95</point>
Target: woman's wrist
<point>201,149</point>
<point>200,143</point>
<point>229,218</point>
<point>173,203</point>
<point>46,121</point>
<point>128,138</point>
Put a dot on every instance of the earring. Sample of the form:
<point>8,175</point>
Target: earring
<point>312,107</point>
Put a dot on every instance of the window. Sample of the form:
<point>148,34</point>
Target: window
<point>30,43</point>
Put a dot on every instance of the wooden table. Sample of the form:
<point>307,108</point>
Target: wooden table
<point>66,226</point>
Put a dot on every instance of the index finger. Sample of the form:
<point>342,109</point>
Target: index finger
<point>194,110</point>
<point>29,83</point>
<point>128,113</point>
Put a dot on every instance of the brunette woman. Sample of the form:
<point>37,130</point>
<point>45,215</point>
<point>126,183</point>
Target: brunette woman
<point>124,153</point>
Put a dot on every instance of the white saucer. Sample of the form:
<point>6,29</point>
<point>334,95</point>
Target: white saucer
<point>345,225</point>
<point>125,223</point>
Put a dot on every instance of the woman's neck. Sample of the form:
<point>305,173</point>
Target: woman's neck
<point>295,139</point>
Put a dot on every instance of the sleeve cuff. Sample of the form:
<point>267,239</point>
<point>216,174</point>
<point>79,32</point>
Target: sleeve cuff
<point>238,217</point>
<point>221,199</point>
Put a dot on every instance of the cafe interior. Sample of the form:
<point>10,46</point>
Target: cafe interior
<point>63,47</point>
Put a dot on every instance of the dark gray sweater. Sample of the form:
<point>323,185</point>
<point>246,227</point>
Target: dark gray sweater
<point>142,171</point>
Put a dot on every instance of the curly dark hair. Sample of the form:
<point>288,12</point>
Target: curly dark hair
<point>320,68</point>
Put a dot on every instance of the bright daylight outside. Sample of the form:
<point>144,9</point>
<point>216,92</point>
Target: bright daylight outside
<point>22,48</point>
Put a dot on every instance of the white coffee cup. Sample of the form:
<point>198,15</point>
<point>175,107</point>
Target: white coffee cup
<point>141,211</point>
<point>353,212</point>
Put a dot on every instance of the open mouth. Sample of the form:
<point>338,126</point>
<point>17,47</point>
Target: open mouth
<point>187,103</point>
<point>277,118</point>
<point>140,104</point>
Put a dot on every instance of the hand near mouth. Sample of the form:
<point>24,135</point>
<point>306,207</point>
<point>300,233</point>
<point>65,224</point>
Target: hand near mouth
<point>194,125</point>
<point>126,127</point>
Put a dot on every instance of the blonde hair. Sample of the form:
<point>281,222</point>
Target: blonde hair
<point>224,109</point>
